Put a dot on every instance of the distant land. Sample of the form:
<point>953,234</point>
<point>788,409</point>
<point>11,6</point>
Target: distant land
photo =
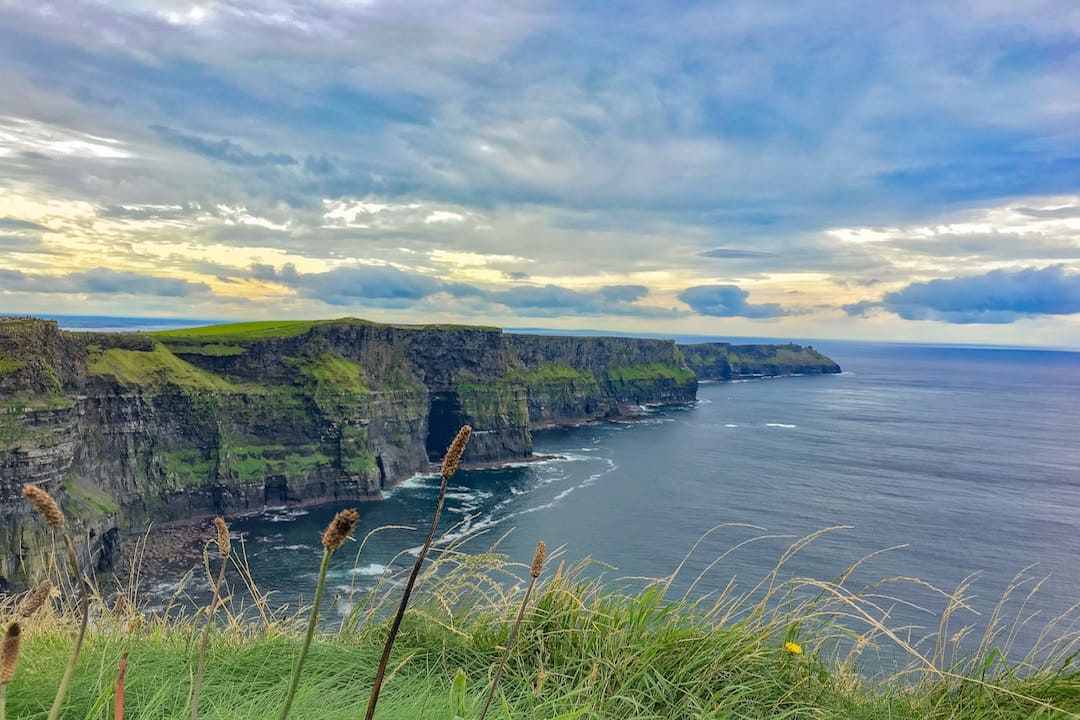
<point>127,428</point>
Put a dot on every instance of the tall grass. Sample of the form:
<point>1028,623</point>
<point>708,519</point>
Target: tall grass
<point>572,644</point>
<point>583,649</point>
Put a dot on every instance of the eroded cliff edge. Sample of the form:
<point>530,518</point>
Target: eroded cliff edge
<point>129,428</point>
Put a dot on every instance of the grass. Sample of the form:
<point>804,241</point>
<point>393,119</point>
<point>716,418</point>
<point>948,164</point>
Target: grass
<point>551,372</point>
<point>237,332</point>
<point>654,371</point>
<point>333,374</point>
<point>209,350</point>
<point>10,364</point>
<point>156,368</point>
<point>585,649</point>
<point>87,501</point>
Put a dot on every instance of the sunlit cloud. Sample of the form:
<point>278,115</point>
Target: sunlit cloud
<point>745,169</point>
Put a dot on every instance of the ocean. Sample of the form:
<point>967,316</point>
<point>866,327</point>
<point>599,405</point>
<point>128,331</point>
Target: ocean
<point>959,463</point>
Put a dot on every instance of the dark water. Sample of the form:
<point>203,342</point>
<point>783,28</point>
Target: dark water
<point>970,458</point>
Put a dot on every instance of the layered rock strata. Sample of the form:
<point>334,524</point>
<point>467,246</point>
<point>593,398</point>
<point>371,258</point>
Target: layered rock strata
<point>128,428</point>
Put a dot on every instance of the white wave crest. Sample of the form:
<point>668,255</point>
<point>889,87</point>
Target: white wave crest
<point>369,569</point>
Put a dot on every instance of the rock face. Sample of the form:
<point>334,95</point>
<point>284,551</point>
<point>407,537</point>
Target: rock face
<point>724,361</point>
<point>124,429</point>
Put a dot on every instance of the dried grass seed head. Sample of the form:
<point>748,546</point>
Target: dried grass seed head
<point>339,529</point>
<point>35,600</point>
<point>9,653</point>
<point>455,451</point>
<point>223,542</point>
<point>538,559</point>
<point>44,505</point>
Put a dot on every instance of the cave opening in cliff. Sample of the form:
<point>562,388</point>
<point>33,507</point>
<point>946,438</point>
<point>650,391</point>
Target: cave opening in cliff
<point>445,420</point>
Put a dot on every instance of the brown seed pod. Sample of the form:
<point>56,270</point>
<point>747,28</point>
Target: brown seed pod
<point>339,529</point>
<point>9,653</point>
<point>223,542</point>
<point>35,600</point>
<point>455,451</point>
<point>538,559</point>
<point>45,505</point>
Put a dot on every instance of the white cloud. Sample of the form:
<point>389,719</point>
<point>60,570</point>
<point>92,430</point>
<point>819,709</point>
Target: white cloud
<point>19,135</point>
<point>444,216</point>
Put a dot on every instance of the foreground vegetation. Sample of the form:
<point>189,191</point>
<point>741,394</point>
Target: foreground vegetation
<point>583,651</point>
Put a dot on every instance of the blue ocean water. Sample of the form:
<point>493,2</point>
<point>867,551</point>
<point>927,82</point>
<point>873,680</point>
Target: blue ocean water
<point>968,458</point>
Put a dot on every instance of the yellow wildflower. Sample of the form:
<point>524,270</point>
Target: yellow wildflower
<point>793,647</point>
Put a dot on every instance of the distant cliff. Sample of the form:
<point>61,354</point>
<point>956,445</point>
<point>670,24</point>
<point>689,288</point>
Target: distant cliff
<point>724,361</point>
<point>126,428</point>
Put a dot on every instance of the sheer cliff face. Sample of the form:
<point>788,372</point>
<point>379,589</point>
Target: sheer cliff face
<point>129,428</point>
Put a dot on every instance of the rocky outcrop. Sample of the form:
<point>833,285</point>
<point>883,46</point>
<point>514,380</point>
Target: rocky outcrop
<point>724,361</point>
<point>124,429</point>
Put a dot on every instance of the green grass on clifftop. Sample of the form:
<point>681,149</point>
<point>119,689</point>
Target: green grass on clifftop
<point>240,331</point>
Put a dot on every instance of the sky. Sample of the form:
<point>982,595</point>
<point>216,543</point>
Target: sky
<point>882,171</point>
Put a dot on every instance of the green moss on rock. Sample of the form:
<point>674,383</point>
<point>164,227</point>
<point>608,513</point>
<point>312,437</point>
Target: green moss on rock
<point>156,368</point>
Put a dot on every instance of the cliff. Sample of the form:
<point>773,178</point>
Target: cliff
<point>128,428</point>
<point>724,361</point>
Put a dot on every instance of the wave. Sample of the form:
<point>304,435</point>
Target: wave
<point>564,493</point>
<point>731,425</point>
<point>780,425</point>
<point>369,569</point>
<point>413,482</point>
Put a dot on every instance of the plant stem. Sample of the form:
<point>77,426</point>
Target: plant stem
<point>506,650</point>
<point>3,701</point>
<point>197,687</point>
<point>84,612</point>
<point>376,687</point>
<point>312,621</point>
<point>118,713</point>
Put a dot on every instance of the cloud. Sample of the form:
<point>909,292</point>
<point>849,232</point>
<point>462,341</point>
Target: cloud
<point>727,301</point>
<point>735,253</point>
<point>997,297</point>
<point>623,293</point>
<point>20,243</point>
<point>381,286</point>
<point>100,281</point>
<point>224,150</point>
<point>861,308</point>
<point>331,134</point>
<point>391,287</point>
<point>16,225</point>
